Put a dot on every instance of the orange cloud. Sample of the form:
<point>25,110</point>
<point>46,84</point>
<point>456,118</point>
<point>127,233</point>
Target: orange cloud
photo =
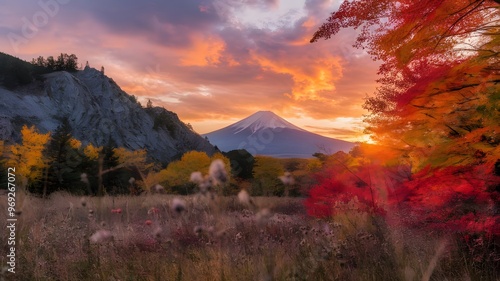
<point>204,51</point>
<point>311,78</point>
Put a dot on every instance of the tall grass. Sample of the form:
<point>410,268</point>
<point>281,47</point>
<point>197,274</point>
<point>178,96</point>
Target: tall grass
<point>221,239</point>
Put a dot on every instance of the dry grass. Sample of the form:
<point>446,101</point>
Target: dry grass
<point>219,239</point>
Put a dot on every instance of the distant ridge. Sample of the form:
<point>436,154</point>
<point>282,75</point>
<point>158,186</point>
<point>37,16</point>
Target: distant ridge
<point>265,133</point>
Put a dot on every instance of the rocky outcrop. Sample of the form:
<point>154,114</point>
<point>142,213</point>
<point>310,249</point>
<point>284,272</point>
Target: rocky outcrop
<point>97,111</point>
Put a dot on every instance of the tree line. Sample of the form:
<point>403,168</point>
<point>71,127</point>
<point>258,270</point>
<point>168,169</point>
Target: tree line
<point>62,62</point>
<point>15,72</point>
<point>56,161</point>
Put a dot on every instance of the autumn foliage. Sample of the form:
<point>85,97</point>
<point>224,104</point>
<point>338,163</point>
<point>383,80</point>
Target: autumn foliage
<point>436,111</point>
<point>454,198</point>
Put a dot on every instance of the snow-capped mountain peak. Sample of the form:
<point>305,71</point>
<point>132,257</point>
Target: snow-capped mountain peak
<point>265,133</point>
<point>262,120</point>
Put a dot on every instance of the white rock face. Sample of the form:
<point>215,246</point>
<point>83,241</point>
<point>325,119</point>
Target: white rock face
<point>98,111</point>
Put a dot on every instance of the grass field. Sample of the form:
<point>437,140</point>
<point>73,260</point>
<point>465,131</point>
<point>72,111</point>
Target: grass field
<point>162,237</point>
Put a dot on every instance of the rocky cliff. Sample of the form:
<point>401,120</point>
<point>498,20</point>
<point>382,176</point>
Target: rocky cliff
<point>98,111</point>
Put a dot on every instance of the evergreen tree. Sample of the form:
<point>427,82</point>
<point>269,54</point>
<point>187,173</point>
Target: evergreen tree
<point>66,162</point>
<point>51,63</point>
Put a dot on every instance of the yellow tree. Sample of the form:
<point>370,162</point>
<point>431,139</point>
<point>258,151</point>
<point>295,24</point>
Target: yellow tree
<point>27,157</point>
<point>92,152</point>
<point>266,173</point>
<point>178,172</point>
<point>136,159</point>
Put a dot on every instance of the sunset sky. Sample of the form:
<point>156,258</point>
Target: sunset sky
<point>213,62</point>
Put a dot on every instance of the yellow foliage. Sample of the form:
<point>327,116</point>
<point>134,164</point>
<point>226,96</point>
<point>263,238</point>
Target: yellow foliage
<point>74,143</point>
<point>179,172</point>
<point>149,180</point>
<point>27,157</point>
<point>267,167</point>
<point>92,152</point>
<point>129,158</point>
<point>314,165</point>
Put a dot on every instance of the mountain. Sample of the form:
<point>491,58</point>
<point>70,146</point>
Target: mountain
<point>98,112</point>
<point>265,133</point>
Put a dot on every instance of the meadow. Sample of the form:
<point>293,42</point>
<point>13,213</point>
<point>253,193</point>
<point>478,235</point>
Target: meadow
<point>198,237</point>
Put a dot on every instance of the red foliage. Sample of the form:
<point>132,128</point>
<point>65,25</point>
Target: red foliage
<point>458,198</point>
<point>342,188</point>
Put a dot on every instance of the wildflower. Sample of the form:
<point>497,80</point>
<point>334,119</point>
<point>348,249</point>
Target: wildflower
<point>217,171</point>
<point>116,211</point>
<point>148,222</point>
<point>101,236</point>
<point>178,205</point>
<point>153,211</point>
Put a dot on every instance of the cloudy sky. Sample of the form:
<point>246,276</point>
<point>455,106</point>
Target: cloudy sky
<point>212,62</point>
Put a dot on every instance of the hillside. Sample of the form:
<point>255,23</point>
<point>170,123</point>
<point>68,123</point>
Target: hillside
<point>98,112</point>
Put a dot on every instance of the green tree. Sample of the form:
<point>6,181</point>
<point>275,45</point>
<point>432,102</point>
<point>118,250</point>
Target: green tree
<point>51,63</point>
<point>60,62</point>
<point>242,163</point>
<point>66,162</point>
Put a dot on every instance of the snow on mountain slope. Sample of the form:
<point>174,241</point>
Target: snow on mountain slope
<point>265,133</point>
<point>262,120</point>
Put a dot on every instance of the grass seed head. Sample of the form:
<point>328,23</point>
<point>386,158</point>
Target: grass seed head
<point>198,230</point>
<point>263,215</point>
<point>101,236</point>
<point>158,188</point>
<point>217,171</point>
<point>287,179</point>
<point>244,197</point>
<point>84,178</point>
<point>178,205</point>
<point>196,177</point>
